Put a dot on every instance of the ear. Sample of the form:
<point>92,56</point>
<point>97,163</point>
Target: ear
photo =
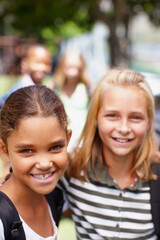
<point>24,65</point>
<point>69,134</point>
<point>4,151</point>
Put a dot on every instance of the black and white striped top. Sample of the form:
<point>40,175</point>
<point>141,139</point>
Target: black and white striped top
<point>101,210</point>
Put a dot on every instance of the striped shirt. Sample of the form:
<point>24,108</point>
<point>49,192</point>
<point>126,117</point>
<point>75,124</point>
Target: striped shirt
<point>101,210</point>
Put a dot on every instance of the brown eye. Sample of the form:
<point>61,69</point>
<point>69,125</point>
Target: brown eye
<point>57,147</point>
<point>26,151</point>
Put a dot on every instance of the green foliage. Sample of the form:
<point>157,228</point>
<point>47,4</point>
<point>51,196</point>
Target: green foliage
<point>31,17</point>
<point>49,21</point>
<point>70,29</point>
<point>53,38</point>
<point>151,8</point>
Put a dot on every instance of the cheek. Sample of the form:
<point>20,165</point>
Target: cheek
<point>104,128</point>
<point>141,131</point>
<point>63,162</point>
<point>21,166</point>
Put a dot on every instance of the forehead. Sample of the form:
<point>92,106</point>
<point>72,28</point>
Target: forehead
<point>120,96</point>
<point>39,53</point>
<point>35,124</point>
<point>110,88</point>
<point>37,131</point>
<point>72,58</point>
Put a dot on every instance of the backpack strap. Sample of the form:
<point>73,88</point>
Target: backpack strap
<point>13,229</point>
<point>55,200</point>
<point>155,199</point>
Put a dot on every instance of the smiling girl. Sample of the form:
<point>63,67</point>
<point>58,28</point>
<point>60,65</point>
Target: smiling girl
<point>34,138</point>
<point>110,183</point>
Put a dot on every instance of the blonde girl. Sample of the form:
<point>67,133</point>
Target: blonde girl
<point>72,84</point>
<point>110,182</point>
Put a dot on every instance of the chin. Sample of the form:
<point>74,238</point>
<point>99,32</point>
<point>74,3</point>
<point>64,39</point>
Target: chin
<point>37,81</point>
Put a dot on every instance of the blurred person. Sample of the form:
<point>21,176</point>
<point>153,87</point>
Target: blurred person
<point>72,84</point>
<point>34,67</point>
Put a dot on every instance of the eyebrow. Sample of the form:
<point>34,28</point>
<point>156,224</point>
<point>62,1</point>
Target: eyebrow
<point>19,146</point>
<point>23,146</point>
<point>115,110</point>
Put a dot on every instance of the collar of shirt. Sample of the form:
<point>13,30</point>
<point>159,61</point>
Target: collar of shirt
<point>27,80</point>
<point>100,174</point>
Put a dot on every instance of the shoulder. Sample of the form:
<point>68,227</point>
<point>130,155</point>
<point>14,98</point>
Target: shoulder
<point>56,201</point>
<point>88,89</point>
<point>81,87</point>
<point>155,184</point>
<point>55,197</point>
<point>156,169</point>
<point>50,84</point>
<point>155,198</point>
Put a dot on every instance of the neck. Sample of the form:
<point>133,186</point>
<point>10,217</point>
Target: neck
<point>23,196</point>
<point>124,178</point>
<point>120,170</point>
<point>70,87</point>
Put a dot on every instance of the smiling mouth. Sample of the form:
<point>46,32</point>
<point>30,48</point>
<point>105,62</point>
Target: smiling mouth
<point>42,176</point>
<point>120,140</point>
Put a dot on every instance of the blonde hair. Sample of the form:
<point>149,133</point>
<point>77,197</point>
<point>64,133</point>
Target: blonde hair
<point>59,77</point>
<point>89,147</point>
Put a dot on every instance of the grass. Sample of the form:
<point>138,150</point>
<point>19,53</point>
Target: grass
<point>6,82</point>
<point>66,230</point>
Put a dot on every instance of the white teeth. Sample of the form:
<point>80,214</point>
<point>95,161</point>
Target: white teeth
<point>41,176</point>
<point>122,140</point>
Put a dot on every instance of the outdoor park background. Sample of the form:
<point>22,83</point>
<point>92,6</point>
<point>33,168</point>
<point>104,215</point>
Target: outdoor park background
<point>109,33</point>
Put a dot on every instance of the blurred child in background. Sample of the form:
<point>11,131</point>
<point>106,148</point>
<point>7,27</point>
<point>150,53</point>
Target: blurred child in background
<point>34,67</point>
<point>72,84</point>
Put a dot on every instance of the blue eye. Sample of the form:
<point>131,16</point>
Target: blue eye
<point>111,115</point>
<point>136,117</point>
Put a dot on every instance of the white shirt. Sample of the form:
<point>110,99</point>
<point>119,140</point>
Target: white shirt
<point>29,233</point>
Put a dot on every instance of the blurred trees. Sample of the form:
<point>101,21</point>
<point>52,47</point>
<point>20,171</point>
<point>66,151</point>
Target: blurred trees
<point>51,21</point>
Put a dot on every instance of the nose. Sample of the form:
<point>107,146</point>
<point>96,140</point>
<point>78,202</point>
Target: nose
<point>123,127</point>
<point>44,163</point>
